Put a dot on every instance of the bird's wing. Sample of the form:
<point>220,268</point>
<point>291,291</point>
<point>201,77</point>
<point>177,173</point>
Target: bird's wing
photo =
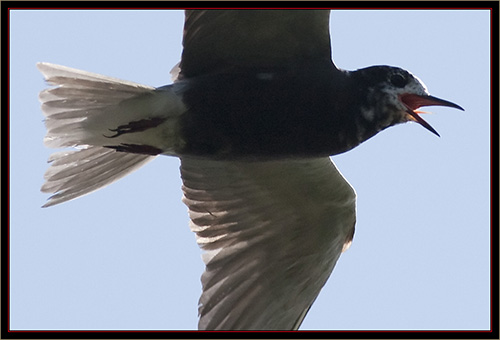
<point>272,233</point>
<point>218,40</point>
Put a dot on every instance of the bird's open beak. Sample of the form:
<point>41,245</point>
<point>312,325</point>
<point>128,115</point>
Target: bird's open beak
<point>413,102</point>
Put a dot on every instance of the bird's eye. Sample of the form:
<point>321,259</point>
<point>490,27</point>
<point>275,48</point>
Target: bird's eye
<point>398,80</point>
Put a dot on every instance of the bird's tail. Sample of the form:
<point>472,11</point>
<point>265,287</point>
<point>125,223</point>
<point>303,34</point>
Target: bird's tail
<point>116,127</point>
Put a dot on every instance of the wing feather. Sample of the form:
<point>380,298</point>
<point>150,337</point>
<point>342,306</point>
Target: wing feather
<point>217,40</point>
<point>273,232</point>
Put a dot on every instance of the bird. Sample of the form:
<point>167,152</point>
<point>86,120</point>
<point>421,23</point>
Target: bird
<point>255,109</point>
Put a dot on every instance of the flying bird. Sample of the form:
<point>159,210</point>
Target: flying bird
<point>255,110</point>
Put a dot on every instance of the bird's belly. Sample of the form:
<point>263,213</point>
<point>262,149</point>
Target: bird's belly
<point>261,118</point>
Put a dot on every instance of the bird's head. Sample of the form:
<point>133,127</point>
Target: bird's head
<point>390,96</point>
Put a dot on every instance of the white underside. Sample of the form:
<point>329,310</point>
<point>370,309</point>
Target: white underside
<point>83,110</point>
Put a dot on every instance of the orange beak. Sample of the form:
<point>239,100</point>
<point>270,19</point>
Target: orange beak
<point>413,102</point>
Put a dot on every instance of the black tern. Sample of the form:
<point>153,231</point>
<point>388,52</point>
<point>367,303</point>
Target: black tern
<point>256,108</point>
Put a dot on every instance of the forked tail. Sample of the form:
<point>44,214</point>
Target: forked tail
<point>106,120</point>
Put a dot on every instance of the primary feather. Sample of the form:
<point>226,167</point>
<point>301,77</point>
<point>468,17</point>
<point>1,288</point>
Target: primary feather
<point>272,232</point>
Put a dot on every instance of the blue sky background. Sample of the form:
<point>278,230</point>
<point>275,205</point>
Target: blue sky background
<point>124,257</point>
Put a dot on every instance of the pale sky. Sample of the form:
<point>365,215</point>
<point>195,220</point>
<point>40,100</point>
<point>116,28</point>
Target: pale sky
<point>124,258</point>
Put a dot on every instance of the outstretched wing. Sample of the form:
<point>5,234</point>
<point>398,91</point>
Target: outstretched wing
<point>217,40</point>
<point>272,232</point>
